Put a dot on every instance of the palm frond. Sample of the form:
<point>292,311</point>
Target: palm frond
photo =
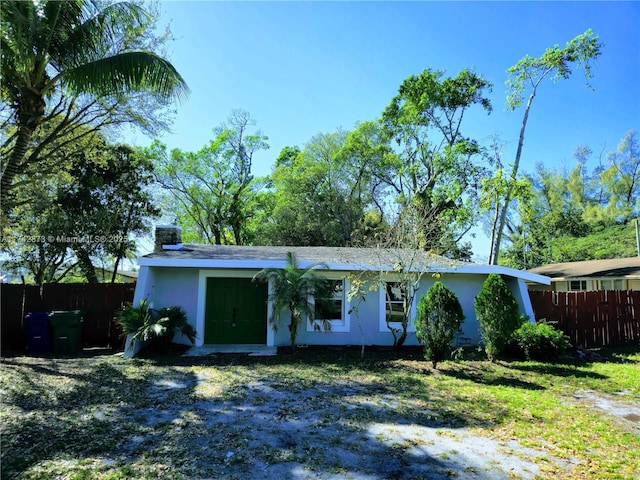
<point>296,290</point>
<point>128,71</point>
<point>94,32</point>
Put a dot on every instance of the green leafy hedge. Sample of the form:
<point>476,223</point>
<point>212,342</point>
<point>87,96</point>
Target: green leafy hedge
<point>539,341</point>
<point>439,318</point>
<point>498,314</point>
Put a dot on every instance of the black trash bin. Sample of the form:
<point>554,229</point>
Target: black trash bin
<point>38,332</point>
<point>66,329</point>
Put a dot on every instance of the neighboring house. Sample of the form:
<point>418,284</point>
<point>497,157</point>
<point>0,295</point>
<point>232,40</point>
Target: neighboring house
<point>122,276</point>
<point>213,283</point>
<point>612,274</point>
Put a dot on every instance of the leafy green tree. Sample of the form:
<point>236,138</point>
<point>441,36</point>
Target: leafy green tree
<point>621,180</point>
<point>370,146</point>
<point>211,192</point>
<point>552,214</point>
<point>498,314</point>
<point>24,242</point>
<point>50,48</point>
<point>579,187</point>
<point>614,241</point>
<point>308,204</point>
<point>82,215</point>
<point>569,212</point>
<point>36,214</point>
<point>106,204</point>
<point>323,194</point>
<point>439,319</point>
<point>493,191</point>
<point>300,291</point>
<point>527,76</point>
<point>438,174</point>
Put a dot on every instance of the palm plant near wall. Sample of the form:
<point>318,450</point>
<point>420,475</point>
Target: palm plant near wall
<point>70,48</point>
<point>300,291</point>
<point>155,327</point>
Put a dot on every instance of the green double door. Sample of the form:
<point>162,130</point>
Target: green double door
<point>235,312</point>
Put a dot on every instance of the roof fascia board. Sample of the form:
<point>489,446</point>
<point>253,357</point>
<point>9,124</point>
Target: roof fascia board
<point>487,269</point>
<point>210,263</point>
<point>260,264</point>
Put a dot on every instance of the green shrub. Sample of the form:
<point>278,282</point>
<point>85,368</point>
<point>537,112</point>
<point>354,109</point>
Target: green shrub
<point>498,314</point>
<point>539,341</point>
<point>155,327</point>
<point>439,318</point>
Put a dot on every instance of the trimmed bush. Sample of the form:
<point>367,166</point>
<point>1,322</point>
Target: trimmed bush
<point>539,341</point>
<point>439,318</point>
<point>498,314</point>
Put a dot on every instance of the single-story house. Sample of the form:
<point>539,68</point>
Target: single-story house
<point>214,285</point>
<point>611,274</point>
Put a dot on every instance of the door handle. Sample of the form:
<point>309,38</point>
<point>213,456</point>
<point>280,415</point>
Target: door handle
<point>233,317</point>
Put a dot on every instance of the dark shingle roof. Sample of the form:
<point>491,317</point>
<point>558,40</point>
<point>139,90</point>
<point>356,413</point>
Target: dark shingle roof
<point>333,258</point>
<point>618,267</point>
<point>304,255</point>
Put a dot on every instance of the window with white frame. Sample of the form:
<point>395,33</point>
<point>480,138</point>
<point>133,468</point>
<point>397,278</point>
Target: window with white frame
<point>617,284</point>
<point>393,297</point>
<point>335,312</point>
<point>394,302</point>
<point>577,285</point>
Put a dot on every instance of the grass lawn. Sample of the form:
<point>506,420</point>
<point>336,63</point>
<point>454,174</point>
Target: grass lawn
<point>320,413</point>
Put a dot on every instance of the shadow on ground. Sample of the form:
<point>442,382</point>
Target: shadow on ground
<point>208,418</point>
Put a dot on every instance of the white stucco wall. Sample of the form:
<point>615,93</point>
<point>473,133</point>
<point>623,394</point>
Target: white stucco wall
<point>185,287</point>
<point>177,287</point>
<point>167,287</point>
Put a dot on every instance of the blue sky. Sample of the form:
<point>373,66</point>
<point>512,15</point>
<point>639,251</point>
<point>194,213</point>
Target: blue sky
<point>305,67</point>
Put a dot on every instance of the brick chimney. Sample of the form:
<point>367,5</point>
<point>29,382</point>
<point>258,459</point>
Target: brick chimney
<point>168,237</point>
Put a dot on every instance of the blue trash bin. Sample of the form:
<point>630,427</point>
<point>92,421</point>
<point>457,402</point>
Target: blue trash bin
<point>38,332</point>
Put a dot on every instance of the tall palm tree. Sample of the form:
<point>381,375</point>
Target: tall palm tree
<point>72,47</point>
<point>297,290</point>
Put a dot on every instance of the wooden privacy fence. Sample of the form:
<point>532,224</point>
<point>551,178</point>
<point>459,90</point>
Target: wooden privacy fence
<point>592,319</point>
<point>100,301</point>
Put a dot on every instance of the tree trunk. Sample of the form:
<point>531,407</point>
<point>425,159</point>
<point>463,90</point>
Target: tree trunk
<point>495,248</point>
<point>122,245</point>
<point>494,228</point>
<point>14,164</point>
<point>86,265</point>
<point>401,339</point>
<point>293,325</point>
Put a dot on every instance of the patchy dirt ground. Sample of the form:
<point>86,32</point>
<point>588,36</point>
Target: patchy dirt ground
<point>627,414</point>
<point>330,432</point>
<point>232,418</point>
